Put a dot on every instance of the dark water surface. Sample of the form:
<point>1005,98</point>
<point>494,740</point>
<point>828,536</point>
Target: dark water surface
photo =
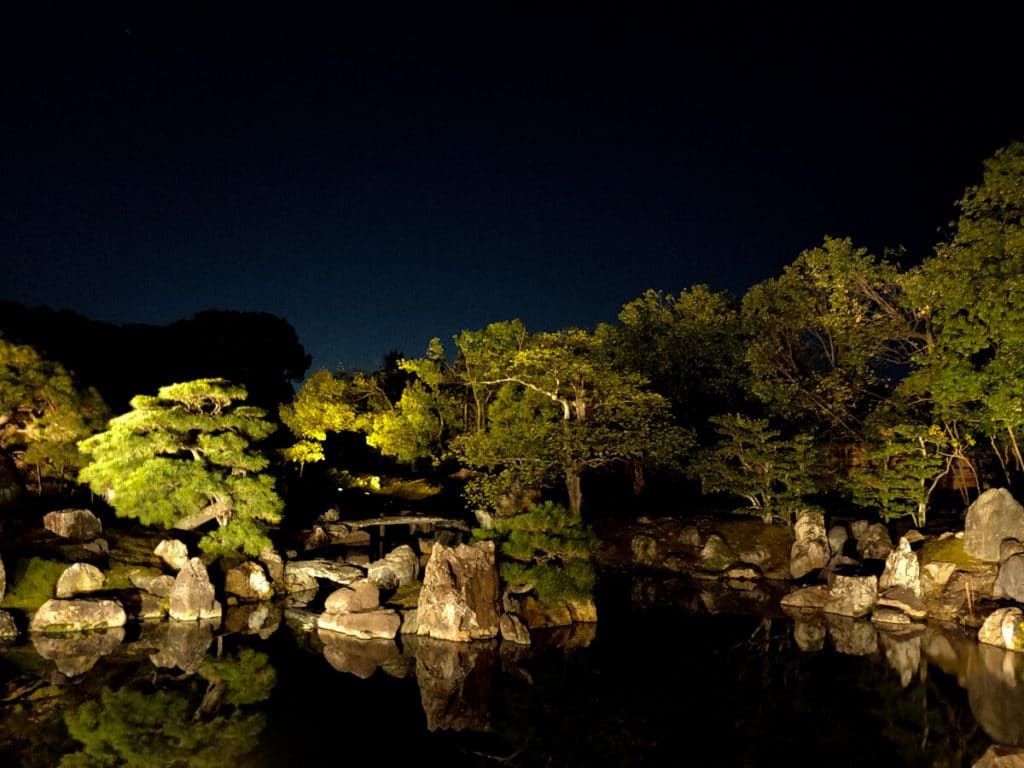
<point>661,680</point>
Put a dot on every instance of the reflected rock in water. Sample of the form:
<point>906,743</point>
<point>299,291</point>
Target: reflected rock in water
<point>78,653</point>
<point>995,690</point>
<point>993,677</point>
<point>359,657</point>
<point>852,637</point>
<point>455,683</point>
<point>261,619</point>
<point>184,645</point>
<point>569,638</point>
<point>809,629</point>
<point>903,652</point>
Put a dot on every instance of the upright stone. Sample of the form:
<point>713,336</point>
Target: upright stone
<point>74,524</point>
<point>1010,581</point>
<point>192,596</point>
<point>902,569</point>
<point>459,599</point>
<point>994,516</point>
<point>811,549</point>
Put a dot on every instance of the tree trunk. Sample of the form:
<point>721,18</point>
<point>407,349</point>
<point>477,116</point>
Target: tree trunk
<point>639,480</point>
<point>575,489</point>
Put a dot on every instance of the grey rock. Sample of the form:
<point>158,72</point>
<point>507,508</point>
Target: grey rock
<point>80,578</point>
<point>192,597</point>
<point>1004,628</point>
<point>459,598</point>
<point>852,596</point>
<point>1001,756</point>
<point>74,524</point>
<point>382,623</point>
<point>994,516</point>
<point>874,543</point>
<point>328,570</point>
<point>172,552</point>
<point>77,615</point>
<point>8,628</point>
<point>904,600</point>
<point>274,564</point>
<point>1010,581</point>
<point>902,569</point>
<point>405,563</point>
<point>360,595</point>
<point>811,549</point>
<point>248,581</point>
<point>716,554</point>
<point>513,630</point>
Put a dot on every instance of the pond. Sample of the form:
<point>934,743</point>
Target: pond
<point>660,680</point>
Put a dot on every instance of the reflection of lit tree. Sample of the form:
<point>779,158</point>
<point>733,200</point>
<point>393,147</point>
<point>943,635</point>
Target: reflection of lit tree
<point>135,726</point>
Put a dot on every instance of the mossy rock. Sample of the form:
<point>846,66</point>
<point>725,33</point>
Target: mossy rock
<point>951,550</point>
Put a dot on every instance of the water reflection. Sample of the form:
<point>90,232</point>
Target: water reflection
<point>637,688</point>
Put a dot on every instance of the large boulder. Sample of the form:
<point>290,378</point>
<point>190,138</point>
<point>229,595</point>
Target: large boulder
<point>994,516</point>
<point>80,578</point>
<point>1010,581</point>
<point>811,549</point>
<point>78,615</point>
<point>74,524</point>
<point>459,599</point>
<point>192,597</point>
<point>248,581</point>
<point>853,596</point>
<point>361,595</point>
<point>716,555</point>
<point>1004,628</point>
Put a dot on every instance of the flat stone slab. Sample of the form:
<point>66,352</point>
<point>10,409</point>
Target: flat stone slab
<point>329,570</point>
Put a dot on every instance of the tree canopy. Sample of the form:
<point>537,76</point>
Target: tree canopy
<point>187,451</point>
<point>43,414</point>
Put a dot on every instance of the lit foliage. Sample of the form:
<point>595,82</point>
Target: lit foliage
<point>429,412</point>
<point>970,291</point>
<point>547,550</point>
<point>323,404</point>
<point>900,470</point>
<point>753,462</point>
<point>186,451</point>
<point>43,414</point>
<point>553,405</point>
<point>824,337</point>
<point>689,346</point>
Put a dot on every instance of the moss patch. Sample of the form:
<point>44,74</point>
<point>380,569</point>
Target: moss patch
<point>406,596</point>
<point>951,550</point>
<point>33,583</point>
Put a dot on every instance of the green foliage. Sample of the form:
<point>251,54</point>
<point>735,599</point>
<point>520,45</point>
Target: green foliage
<point>824,336</point>
<point>689,346</point>
<point>43,414</point>
<point>901,468</point>
<point>551,405</point>
<point>32,583</point>
<point>325,404</point>
<point>187,451</point>
<point>753,462</point>
<point>970,292</point>
<point>548,549</point>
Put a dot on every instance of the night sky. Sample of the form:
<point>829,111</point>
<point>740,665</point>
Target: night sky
<point>381,180</point>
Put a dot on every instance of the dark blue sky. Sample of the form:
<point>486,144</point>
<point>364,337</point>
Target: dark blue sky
<point>379,181</point>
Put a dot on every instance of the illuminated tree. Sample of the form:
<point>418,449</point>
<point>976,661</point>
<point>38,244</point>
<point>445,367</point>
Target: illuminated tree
<point>188,452</point>
<point>689,346</point>
<point>826,337</point>
<point>43,414</point>
<point>527,410</point>
<point>970,292</point>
